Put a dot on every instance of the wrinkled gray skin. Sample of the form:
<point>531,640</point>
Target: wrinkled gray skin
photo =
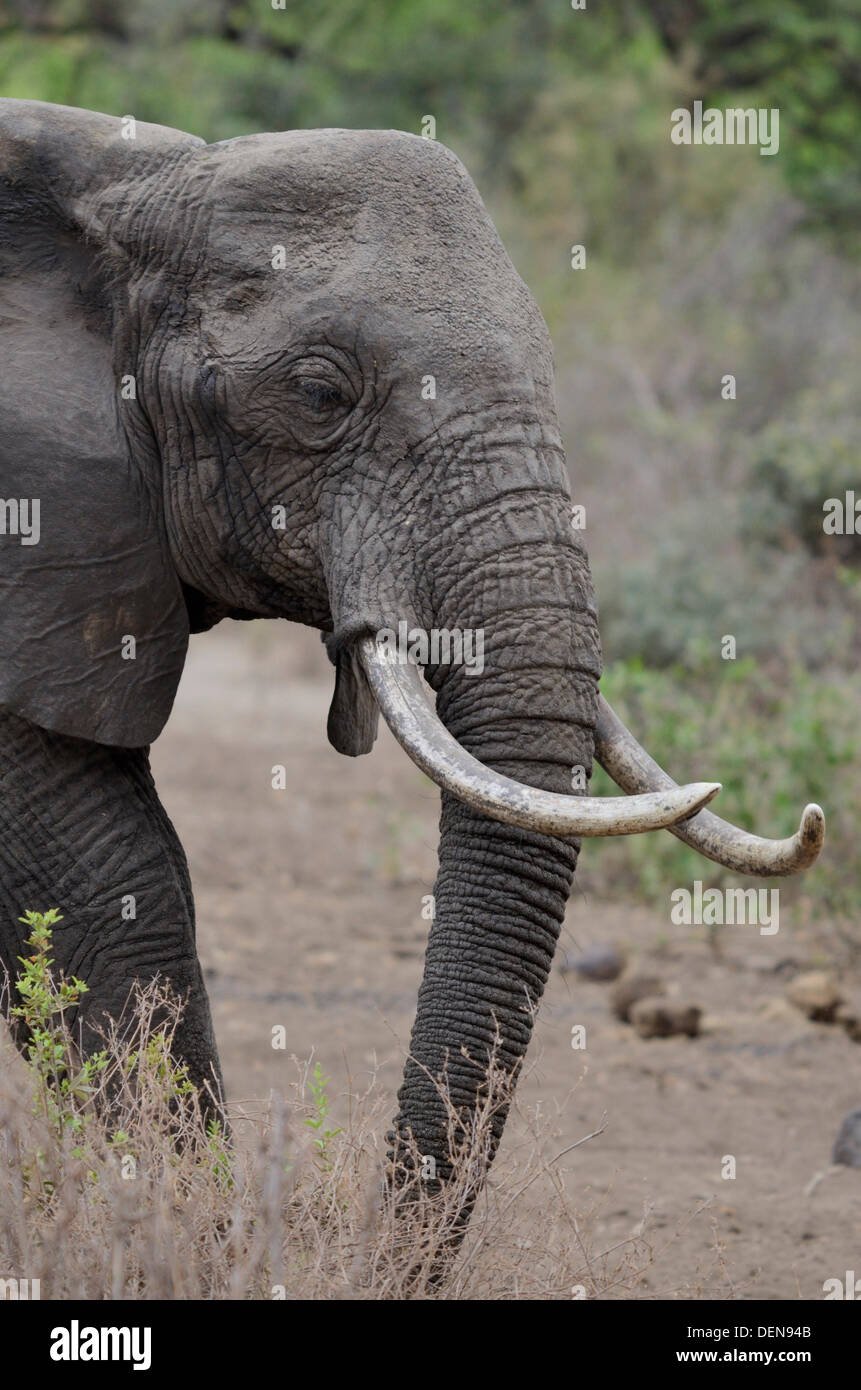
<point>259,387</point>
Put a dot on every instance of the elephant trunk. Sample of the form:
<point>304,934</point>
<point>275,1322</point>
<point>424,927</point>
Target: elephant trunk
<point>502,889</point>
<point>500,897</point>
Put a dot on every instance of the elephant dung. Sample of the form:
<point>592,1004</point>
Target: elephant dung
<point>631,988</point>
<point>816,994</point>
<point>658,1018</point>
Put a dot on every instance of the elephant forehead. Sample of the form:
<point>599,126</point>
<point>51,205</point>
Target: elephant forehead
<point>309,167</point>
<point>378,231</point>
<point>329,195</point>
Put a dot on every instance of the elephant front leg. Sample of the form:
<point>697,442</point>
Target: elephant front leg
<point>82,830</point>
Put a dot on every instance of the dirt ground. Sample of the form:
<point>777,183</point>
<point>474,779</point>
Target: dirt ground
<point>309,916</point>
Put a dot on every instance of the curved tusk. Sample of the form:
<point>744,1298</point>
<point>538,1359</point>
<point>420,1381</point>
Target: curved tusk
<point>634,771</point>
<point>405,703</point>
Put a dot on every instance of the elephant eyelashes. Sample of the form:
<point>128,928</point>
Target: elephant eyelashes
<point>320,397</point>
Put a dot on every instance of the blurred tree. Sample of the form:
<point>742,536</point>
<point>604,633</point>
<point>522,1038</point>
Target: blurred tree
<point>802,56</point>
<point>483,68</point>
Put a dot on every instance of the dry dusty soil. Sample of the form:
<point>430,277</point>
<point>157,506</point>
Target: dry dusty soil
<point>309,916</point>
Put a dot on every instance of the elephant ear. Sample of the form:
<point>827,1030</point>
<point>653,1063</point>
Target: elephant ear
<point>93,626</point>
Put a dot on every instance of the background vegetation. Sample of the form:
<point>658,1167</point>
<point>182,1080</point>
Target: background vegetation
<point>704,515</point>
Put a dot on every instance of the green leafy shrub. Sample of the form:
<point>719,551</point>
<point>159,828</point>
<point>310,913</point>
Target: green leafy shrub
<point>63,1084</point>
<point>674,605</point>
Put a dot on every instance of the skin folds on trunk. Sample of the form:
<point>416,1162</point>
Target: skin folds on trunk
<point>501,891</point>
<point>500,898</point>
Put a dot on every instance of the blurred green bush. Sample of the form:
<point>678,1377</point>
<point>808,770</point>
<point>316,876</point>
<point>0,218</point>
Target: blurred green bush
<point>797,464</point>
<point>484,67</point>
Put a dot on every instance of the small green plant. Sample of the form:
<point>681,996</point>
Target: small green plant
<point>322,1107</point>
<point>64,1085</point>
<point>169,1077</point>
<point>221,1158</point>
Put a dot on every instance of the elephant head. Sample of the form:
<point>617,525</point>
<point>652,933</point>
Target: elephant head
<point>297,376</point>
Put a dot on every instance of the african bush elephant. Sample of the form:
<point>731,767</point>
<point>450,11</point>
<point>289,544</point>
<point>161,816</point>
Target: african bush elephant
<point>294,375</point>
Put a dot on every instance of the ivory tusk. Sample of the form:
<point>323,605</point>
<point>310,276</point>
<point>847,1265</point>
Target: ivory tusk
<point>405,703</point>
<point>635,772</point>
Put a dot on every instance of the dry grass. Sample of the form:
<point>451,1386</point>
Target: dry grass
<point>140,1199</point>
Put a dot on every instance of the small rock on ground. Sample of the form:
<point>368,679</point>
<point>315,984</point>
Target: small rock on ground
<point>847,1145</point>
<point>816,994</point>
<point>600,963</point>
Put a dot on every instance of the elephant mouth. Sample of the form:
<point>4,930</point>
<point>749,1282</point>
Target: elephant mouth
<point>653,801</point>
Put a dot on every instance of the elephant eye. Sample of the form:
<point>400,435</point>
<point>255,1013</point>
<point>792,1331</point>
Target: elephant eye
<point>322,390</point>
<point>319,396</point>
